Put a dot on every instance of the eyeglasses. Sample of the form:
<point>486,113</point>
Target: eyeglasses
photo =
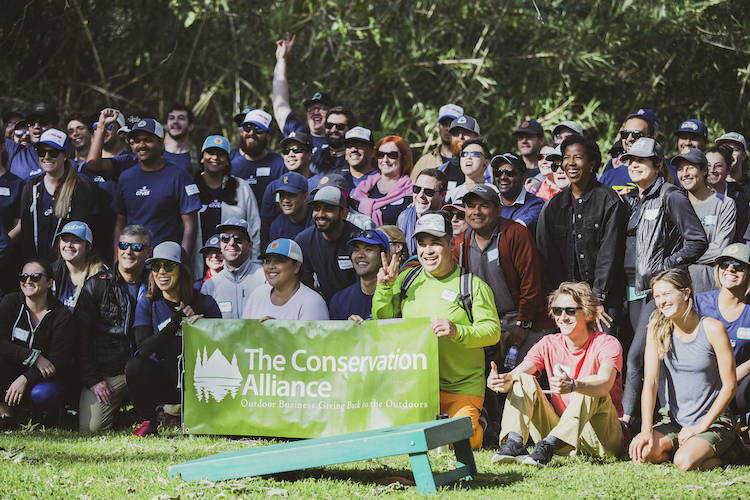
<point>294,149</point>
<point>338,126</point>
<point>427,191</point>
<point>34,277</point>
<point>637,134</point>
<point>737,265</point>
<point>52,153</point>
<point>508,172</point>
<point>226,238</point>
<point>393,155</point>
<point>167,265</point>
<point>472,154</point>
<point>570,311</point>
<point>20,132</point>
<point>124,245</point>
<point>251,127</point>
<point>457,214</point>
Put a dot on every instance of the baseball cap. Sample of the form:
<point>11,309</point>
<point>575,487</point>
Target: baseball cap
<point>555,155</point>
<point>335,180</point>
<point>298,137</point>
<point>465,122</point>
<point>645,147</point>
<point>43,110</point>
<point>291,182</point>
<point>511,159</point>
<point>239,117</point>
<point>78,229</point>
<point>484,192</point>
<point>574,126</point>
<point>434,224</point>
<point>451,111</point>
<point>532,127</point>
<point>55,138</point>
<point>148,125</point>
<point>359,134</point>
<point>211,244</point>
<point>167,250</point>
<point>735,137</point>
<point>285,247</point>
<point>258,117</point>
<point>737,251</point>
<point>235,222</point>
<point>320,97</point>
<point>373,237</point>
<point>216,141</point>
<point>694,126</point>
<point>694,156</point>
<point>646,114</point>
<point>330,195</point>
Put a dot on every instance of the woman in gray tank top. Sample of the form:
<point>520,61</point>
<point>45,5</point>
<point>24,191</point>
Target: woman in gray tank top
<point>689,360</point>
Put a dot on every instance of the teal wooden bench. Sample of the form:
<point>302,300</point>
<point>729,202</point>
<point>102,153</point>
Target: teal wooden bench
<point>414,440</point>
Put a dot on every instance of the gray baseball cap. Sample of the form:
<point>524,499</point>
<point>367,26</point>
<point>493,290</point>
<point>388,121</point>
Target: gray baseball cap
<point>330,195</point>
<point>434,224</point>
<point>734,137</point>
<point>645,147</point>
<point>574,126</point>
<point>694,156</point>
<point>235,223</point>
<point>737,251</point>
<point>465,122</point>
<point>167,250</point>
<point>484,192</point>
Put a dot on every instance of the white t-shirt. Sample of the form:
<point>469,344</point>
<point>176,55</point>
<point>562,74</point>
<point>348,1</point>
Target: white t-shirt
<point>305,304</point>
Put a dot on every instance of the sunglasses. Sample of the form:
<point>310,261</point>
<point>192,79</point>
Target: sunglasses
<point>393,155</point>
<point>555,166</point>
<point>226,238</point>
<point>21,132</point>
<point>294,149</point>
<point>123,245</point>
<point>570,311</point>
<point>737,265</point>
<point>167,265</point>
<point>52,153</point>
<point>472,154</point>
<point>637,134</point>
<point>457,214</point>
<point>251,127</point>
<point>338,126</point>
<point>508,172</point>
<point>427,191</point>
<point>34,277</point>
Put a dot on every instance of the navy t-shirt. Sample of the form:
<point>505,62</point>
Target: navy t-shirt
<point>11,187</point>
<point>269,204</point>
<point>67,293</point>
<point>259,174</point>
<point>707,304</point>
<point>46,221</point>
<point>391,211</point>
<point>156,200</point>
<point>618,179</point>
<point>23,161</point>
<point>284,227</point>
<point>181,160</point>
<point>452,170</point>
<point>351,300</point>
<point>294,125</point>
<point>210,214</point>
<point>324,162</point>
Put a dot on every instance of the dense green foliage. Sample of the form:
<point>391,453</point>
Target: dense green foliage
<point>393,62</point>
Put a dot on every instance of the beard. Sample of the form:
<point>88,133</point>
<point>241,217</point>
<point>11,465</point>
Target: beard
<point>254,149</point>
<point>456,144</point>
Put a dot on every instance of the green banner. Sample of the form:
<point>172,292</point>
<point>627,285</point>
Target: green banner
<point>306,379</point>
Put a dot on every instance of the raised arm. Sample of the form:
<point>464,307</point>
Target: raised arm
<point>280,88</point>
<point>94,162</point>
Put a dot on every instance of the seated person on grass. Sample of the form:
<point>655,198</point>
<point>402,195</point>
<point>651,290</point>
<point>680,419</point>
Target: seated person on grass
<point>463,329</point>
<point>584,367</point>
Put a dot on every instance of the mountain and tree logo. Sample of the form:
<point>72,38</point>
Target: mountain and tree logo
<point>215,377</point>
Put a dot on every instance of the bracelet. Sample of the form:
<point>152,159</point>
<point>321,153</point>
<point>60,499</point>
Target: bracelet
<point>574,386</point>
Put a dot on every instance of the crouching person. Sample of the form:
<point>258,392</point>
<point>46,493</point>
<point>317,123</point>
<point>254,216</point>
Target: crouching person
<point>152,374</point>
<point>104,314</point>
<point>584,370</point>
<point>37,346</point>
<point>463,327</point>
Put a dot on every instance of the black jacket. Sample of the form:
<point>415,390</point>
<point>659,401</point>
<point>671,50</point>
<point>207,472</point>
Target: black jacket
<point>742,203</point>
<point>588,235</point>
<point>104,315</point>
<point>54,336</point>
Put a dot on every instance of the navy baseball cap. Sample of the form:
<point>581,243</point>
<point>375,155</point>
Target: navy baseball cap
<point>318,97</point>
<point>291,182</point>
<point>42,110</point>
<point>693,126</point>
<point>372,237</point>
<point>239,117</point>
<point>212,243</point>
<point>336,180</point>
<point>532,127</point>
<point>510,158</point>
<point>645,114</point>
<point>299,137</point>
<point>148,125</point>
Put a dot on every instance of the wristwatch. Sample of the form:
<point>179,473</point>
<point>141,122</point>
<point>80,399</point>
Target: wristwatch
<point>526,325</point>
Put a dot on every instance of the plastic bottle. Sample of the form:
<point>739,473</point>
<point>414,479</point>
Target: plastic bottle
<point>511,358</point>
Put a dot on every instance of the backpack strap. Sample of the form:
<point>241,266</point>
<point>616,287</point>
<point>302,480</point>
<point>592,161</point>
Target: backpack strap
<point>465,299</point>
<point>408,280</point>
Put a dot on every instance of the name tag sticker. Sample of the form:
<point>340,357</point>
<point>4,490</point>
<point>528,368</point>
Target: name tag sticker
<point>710,220</point>
<point>345,263</point>
<point>651,214</point>
<point>191,189</point>
<point>743,333</point>
<point>263,171</point>
<point>448,295</point>
<point>4,191</point>
<point>492,255</point>
<point>21,334</point>
<point>164,323</point>
<point>225,307</point>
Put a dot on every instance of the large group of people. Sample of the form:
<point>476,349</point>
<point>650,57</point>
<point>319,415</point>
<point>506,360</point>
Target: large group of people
<point>625,285</point>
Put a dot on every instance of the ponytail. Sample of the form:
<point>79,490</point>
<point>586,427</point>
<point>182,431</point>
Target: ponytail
<point>64,192</point>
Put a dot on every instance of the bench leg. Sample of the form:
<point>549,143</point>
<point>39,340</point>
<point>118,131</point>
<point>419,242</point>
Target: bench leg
<point>465,455</point>
<point>420,466</point>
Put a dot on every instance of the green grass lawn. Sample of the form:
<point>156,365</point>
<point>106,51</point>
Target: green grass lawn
<point>59,464</point>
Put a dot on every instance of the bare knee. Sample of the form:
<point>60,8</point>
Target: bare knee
<point>686,461</point>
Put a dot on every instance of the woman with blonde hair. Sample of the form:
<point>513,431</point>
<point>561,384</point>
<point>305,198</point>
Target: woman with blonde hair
<point>77,262</point>
<point>695,430</point>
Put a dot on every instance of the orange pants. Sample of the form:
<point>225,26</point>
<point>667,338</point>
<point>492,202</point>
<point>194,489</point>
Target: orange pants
<point>464,405</point>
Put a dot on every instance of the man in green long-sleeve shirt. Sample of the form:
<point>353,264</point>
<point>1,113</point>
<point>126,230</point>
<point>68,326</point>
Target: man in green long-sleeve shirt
<point>435,293</point>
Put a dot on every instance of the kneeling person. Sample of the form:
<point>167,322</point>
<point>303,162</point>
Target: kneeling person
<point>584,370</point>
<point>464,328</point>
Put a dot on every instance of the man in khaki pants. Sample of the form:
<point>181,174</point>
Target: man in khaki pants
<point>584,370</point>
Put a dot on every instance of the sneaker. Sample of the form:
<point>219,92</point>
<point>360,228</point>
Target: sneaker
<point>541,455</point>
<point>145,429</point>
<point>509,452</point>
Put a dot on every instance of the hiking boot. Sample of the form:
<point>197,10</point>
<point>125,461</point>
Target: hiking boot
<point>145,429</point>
<point>509,452</point>
<point>541,455</point>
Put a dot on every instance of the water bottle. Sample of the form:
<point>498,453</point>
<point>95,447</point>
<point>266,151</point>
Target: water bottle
<point>444,448</point>
<point>511,358</point>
